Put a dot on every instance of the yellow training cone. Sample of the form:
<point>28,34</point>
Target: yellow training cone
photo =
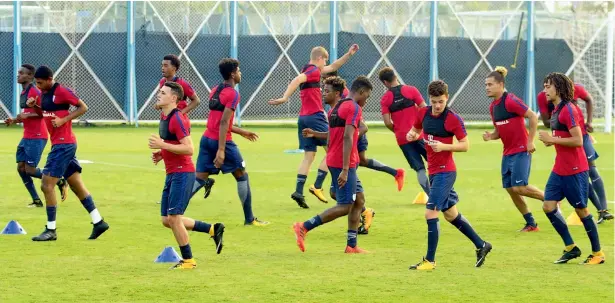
<point>421,198</point>
<point>574,219</point>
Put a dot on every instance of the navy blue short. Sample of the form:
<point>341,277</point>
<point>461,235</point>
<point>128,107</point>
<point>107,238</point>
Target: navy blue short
<point>588,146</point>
<point>348,193</point>
<point>442,195</point>
<point>176,193</point>
<point>516,169</point>
<point>362,143</point>
<point>30,151</point>
<point>415,152</point>
<point>317,122</point>
<point>573,188</point>
<point>61,161</point>
<point>207,154</point>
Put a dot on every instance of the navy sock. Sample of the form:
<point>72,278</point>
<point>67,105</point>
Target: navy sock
<point>197,185</point>
<point>423,180</point>
<point>29,184</point>
<point>598,185</point>
<point>51,213</point>
<point>592,232</point>
<point>465,228</point>
<point>376,165</point>
<point>312,223</point>
<point>351,238</point>
<point>300,183</point>
<point>591,194</point>
<point>433,235</point>
<point>88,204</point>
<point>245,196</point>
<point>529,219</point>
<point>186,251</point>
<point>320,178</point>
<point>200,226</point>
<point>560,226</point>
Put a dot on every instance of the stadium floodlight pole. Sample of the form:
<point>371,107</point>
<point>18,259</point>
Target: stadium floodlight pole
<point>608,110</point>
<point>433,41</point>
<point>530,81</point>
<point>131,91</point>
<point>233,25</point>
<point>333,30</point>
<point>16,56</point>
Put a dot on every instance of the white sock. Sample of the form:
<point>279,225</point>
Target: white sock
<point>95,215</point>
<point>51,225</point>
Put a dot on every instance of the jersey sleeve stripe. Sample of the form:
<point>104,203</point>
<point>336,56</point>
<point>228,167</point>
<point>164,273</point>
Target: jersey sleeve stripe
<point>463,126</point>
<point>574,123</point>
<point>356,113</point>
<point>236,99</point>
<point>181,123</point>
<point>520,103</point>
<point>310,70</point>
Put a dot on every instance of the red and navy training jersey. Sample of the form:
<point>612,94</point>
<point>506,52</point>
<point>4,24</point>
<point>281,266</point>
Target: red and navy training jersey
<point>440,128</point>
<point>56,103</point>
<point>402,103</point>
<point>345,112</point>
<point>568,160</point>
<point>227,98</point>
<point>310,95</point>
<point>507,117</point>
<point>33,128</point>
<point>174,128</point>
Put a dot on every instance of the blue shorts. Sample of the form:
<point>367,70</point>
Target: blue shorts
<point>348,193</point>
<point>415,152</point>
<point>362,143</point>
<point>317,122</point>
<point>176,193</point>
<point>516,169</point>
<point>573,188</point>
<point>30,151</point>
<point>207,153</point>
<point>590,152</point>
<point>442,195</point>
<point>61,161</point>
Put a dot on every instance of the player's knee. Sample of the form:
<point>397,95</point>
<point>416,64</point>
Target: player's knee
<point>165,222</point>
<point>549,206</point>
<point>47,187</point>
<point>173,220</point>
<point>309,156</point>
<point>30,170</point>
<point>239,173</point>
<point>582,212</point>
<point>360,200</point>
<point>21,167</point>
<point>363,161</point>
<point>519,190</point>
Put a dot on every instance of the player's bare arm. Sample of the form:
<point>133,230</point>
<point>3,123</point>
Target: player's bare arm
<point>388,122</point>
<point>348,136</point>
<point>494,135</point>
<point>292,87</point>
<point>193,104</point>
<point>310,133</point>
<point>341,61</point>
<point>575,139</point>
<point>531,148</point>
<point>362,128</point>
<point>82,108</point>
<point>251,136</point>
<point>184,147</point>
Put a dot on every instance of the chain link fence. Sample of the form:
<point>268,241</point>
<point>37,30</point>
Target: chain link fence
<point>85,44</point>
<point>197,32</point>
<point>6,52</point>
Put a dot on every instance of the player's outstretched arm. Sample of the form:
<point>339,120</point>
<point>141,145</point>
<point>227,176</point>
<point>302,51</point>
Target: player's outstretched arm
<point>292,87</point>
<point>194,103</point>
<point>341,61</point>
<point>494,135</point>
<point>310,133</point>
<point>253,137</point>
<point>184,147</point>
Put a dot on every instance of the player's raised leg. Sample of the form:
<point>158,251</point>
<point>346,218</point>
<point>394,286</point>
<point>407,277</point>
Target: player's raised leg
<point>316,188</point>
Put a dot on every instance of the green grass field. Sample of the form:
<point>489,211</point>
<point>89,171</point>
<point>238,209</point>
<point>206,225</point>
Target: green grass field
<point>264,264</point>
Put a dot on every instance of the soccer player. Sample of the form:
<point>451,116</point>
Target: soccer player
<point>362,148</point>
<point>342,160</point>
<point>217,150</point>
<point>312,114</point>
<point>508,114</point>
<point>32,144</point>
<point>176,150</point>
<point>596,191</point>
<point>569,177</point>
<point>440,124</point>
<point>61,161</point>
<point>399,107</point>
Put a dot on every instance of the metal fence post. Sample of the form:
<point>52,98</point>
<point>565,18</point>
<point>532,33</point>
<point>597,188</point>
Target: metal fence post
<point>530,89</point>
<point>16,54</point>
<point>233,26</point>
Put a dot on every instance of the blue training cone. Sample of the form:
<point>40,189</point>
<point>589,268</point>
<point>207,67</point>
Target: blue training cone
<point>168,255</point>
<point>13,228</point>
